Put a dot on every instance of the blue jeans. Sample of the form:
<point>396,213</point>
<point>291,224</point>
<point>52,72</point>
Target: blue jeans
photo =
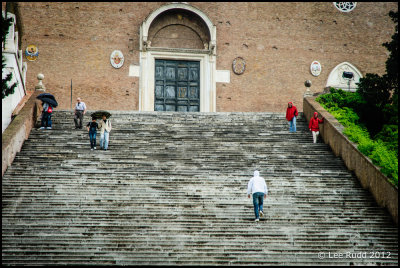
<point>292,125</point>
<point>104,140</point>
<point>46,119</point>
<point>92,136</point>
<point>258,201</point>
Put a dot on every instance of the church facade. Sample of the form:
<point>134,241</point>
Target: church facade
<point>202,56</point>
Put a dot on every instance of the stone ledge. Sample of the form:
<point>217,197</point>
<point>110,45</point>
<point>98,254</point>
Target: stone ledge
<point>369,175</point>
<point>18,131</point>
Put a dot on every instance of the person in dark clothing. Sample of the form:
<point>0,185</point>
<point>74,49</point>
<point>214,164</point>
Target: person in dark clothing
<point>46,116</point>
<point>291,113</point>
<point>92,129</point>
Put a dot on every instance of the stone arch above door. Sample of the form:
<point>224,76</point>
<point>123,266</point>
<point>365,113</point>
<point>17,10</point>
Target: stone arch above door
<point>185,21</point>
<point>179,28</point>
<point>172,18</point>
<point>336,79</point>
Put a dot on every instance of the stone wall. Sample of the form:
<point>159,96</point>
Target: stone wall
<point>18,131</point>
<point>279,41</point>
<point>385,194</point>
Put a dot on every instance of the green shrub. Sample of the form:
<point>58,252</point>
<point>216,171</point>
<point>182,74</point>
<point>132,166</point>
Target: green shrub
<point>366,146</point>
<point>389,136</point>
<point>356,133</point>
<point>382,151</point>
<point>386,159</point>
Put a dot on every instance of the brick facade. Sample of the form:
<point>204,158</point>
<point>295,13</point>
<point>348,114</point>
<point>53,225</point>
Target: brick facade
<point>279,41</point>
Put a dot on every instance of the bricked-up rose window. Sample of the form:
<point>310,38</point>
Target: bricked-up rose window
<point>345,6</point>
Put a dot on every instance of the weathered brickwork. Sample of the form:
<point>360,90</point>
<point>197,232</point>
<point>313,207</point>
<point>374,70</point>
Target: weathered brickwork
<point>278,41</point>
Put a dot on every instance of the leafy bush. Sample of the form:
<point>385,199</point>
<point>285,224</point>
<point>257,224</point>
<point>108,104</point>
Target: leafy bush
<point>383,151</point>
<point>386,159</point>
<point>389,136</point>
<point>340,98</point>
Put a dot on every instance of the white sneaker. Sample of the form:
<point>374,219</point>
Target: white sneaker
<point>95,148</point>
<point>41,128</point>
<point>48,127</point>
<point>261,214</point>
<point>256,220</point>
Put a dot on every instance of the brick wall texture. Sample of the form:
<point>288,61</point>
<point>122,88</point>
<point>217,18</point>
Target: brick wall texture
<point>279,41</point>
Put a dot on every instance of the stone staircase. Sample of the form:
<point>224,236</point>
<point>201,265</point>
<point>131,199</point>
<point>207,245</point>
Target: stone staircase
<point>171,190</point>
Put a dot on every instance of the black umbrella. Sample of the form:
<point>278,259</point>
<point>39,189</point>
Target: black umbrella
<point>52,102</point>
<point>99,114</point>
<point>45,95</point>
<point>49,98</point>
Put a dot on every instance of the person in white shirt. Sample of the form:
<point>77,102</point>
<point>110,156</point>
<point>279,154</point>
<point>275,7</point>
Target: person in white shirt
<point>80,110</point>
<point>258,188</point>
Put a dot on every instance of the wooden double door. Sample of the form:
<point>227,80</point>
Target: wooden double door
<point>177,86</point>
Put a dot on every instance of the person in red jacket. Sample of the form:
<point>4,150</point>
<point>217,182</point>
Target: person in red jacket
<point>291,113</point>
<point>314,126</point>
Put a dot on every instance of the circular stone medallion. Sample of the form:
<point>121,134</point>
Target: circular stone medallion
<point>238,65</point>
<point>315,68</point>
<point>31,53</point>
<point>117,59</point>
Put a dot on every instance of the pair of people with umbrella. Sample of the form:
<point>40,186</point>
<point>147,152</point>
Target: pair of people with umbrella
<point>104,126</point>
<point>49,102</point>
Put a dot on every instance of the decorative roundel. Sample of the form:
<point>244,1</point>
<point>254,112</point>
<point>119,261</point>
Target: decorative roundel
<point>345,6</point>
<point>31,53</point>
<point>117,59</point>
<point>315,68</point>
<point>238,65</point>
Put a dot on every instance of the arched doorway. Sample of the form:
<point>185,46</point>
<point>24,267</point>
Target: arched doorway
<point>177,60</point>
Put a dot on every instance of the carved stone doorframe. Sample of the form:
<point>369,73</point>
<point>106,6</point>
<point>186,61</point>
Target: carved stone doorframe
<point>206,57</point>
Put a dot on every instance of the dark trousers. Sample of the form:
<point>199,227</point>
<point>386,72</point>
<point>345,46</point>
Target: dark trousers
<point>46,119</point>
<point>78,116</point>
<point>92,136</point>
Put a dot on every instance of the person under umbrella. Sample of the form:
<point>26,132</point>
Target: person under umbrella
<point>48,102</point>
<point>48,98</point>
<point>92,129</point>
<point>46,116</point>
<point>105,129</point>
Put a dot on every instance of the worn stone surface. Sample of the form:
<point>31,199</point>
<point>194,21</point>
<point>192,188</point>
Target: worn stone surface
<point>172,190</point>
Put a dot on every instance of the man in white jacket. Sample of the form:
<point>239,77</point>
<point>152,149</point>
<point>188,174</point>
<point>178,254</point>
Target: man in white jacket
<point>258,188</point>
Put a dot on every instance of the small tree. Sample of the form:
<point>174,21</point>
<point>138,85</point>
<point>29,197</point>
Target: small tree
<point>5,88</point>
<point>392,71</point>
<point>381,92</point>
